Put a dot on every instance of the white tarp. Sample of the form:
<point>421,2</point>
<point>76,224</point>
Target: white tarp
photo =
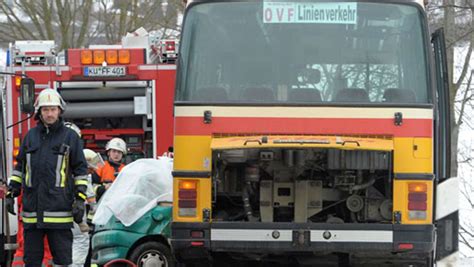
<point>137,189</point>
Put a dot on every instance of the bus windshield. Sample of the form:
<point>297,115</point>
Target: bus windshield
<point>302,52</point>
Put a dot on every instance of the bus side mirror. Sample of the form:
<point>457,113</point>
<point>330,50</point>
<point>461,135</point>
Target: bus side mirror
<point>27,95</point>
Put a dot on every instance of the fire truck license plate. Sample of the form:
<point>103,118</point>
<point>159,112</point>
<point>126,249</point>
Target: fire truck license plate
<point>105,71</point>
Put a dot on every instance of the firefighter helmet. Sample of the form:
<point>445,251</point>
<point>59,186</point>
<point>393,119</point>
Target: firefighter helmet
<point>73,127</point>
<point>94,160</point>
<point>49,97</point>
<point>117,144</point>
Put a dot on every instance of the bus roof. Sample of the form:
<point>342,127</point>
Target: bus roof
<point>420,2</point>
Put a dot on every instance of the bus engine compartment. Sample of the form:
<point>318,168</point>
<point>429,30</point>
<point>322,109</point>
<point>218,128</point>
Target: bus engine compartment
<point>319,185</point>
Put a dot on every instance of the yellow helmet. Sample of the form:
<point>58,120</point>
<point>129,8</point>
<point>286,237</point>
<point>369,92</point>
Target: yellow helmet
<point>94,160</point>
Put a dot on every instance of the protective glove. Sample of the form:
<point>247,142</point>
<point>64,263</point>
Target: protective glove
<point>10,204</point>
<point>99,191</point>
<point>78,209</point>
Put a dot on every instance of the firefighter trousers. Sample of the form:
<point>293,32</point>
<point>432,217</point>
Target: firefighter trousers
<point>60,243</point>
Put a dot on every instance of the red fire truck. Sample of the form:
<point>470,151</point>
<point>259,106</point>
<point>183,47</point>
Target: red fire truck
<point>111,91</point>
<point>121,91</point>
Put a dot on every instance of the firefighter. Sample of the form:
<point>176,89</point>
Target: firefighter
<point>52,171</point>
<point>83,227</point>
<point>75,128</point>
<point>80,246</point>
<point>116,149</point>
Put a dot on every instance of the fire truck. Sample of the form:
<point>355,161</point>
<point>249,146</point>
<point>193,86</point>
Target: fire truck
<point>168,50</point>
<point>111,91</point>
<point>326,142</point>
<point>121,91</point>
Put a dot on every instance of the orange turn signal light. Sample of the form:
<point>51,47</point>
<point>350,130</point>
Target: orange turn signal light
<point>111,56</point>
<point>86,57</point>
<point>18,81</point>
<point>189,185</point>
<point>124,56</point>
<point>417,187</point>
<point>99,57</point>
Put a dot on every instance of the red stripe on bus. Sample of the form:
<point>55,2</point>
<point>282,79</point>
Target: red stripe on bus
<point>409,127</point>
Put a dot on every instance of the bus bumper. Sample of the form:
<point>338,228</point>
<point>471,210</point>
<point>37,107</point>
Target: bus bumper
<point>198,240</point>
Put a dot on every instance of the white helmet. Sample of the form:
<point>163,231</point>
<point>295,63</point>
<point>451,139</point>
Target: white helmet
<point>49,97</point>
<point>73,127</point>
<point>117,144</point>
<point>94,160</point>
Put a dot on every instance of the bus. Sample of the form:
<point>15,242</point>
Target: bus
<point>310,132</point>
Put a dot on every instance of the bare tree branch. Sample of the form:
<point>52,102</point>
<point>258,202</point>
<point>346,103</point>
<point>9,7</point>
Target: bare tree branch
<point>76,23</point>
<point>465,98</point>
<point>47,15</point>
<point>14,21</point>
<point>451,6</point>
<point>29,9</point>
<point>467,195</point>
<point>87,7</point>
<point>465,237</point>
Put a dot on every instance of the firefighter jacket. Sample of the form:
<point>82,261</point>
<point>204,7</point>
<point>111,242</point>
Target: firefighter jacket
<point>52,172</point>
<point>107,173</point>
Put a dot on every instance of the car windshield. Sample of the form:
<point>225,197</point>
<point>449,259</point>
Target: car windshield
<point>299,52</point>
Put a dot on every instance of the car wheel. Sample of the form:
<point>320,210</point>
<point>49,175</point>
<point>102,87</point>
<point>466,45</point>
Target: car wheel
<point>151,254</point>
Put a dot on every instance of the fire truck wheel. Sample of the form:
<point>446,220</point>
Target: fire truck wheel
<point>152,254</point>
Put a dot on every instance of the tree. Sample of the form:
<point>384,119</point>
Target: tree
<point>66,22</point>
<point>78,23</point>
<point>457,18</point>
<point>466,227</point>
<point>123,16</point>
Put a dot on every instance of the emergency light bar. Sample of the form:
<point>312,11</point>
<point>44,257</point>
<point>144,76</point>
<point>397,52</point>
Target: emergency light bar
<point>97,57</point>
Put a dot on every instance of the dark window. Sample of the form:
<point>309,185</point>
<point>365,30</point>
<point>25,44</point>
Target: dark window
<point>229,54</point>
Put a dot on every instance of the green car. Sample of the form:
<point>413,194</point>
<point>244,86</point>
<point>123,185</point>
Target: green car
<point>145,242</point>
